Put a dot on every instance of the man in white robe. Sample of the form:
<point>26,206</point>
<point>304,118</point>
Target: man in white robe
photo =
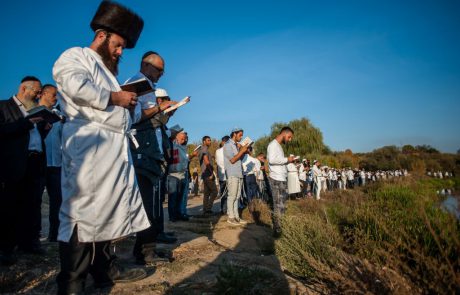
<point>100,197</point>
<point>317,178</point>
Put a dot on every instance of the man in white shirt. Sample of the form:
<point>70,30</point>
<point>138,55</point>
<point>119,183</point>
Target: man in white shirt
<point>277,163</point>
<point>221,174</point>
<point>251,167</point>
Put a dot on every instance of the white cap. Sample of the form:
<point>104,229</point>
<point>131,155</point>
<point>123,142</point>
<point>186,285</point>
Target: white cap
<point>160,92</point>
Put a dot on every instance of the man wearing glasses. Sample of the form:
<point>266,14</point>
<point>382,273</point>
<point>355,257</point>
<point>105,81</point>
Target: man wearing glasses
<point>22,166</point>
<point>150,157</point>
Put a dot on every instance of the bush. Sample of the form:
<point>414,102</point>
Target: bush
<point>398,225</point>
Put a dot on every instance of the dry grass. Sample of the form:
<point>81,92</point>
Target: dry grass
<point>397,225</point>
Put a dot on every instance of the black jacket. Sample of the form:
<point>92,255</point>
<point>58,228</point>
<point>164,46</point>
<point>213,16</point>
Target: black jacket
<point>14,141</point>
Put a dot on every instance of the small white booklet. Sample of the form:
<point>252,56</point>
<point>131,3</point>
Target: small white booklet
<point>177,105</point>
<point>197,148</point>
<point>246,141</point>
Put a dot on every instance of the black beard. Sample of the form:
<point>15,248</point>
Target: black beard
<point>104,52</point>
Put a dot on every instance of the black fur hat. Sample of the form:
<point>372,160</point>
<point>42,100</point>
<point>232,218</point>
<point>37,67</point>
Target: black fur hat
<point>118,19</point>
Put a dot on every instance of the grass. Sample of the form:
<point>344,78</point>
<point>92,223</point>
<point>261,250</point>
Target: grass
<point>396,224</point>
<point>236,279</point>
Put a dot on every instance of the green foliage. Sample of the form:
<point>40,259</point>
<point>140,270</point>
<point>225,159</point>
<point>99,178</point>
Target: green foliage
<point>307,141</point>
<point>397,224</point>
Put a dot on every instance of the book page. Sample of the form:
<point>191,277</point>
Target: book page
<point>246,141</point>
<point>177,105</point>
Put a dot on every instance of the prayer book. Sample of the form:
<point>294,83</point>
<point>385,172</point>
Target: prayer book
<point>140,87</point>
<point>246,141</point>
<point>177,105</point>
<point>50,116</point>
<point>197,148</point>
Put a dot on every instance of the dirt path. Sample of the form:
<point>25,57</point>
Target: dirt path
<point>210,257</point>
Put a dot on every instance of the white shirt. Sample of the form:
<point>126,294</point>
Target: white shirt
<point>35,139</point>
<point>277,161</point>
<point>317,174</point>
<point>220,164</point>
<point>302,173</point>
<point>250,165</point>
<point>145,101</point>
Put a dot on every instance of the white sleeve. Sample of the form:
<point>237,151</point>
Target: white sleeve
<point>274,157</point>
<point>73,74</point>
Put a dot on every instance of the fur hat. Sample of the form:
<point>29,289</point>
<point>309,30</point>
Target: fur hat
<point>118,19</point>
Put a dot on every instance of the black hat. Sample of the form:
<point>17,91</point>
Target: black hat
<point>118,19</point>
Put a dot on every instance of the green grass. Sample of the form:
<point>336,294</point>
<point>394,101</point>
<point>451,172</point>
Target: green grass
<point>396,224</point>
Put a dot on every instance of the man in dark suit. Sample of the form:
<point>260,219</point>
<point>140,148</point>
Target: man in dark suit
<point>22,167</point>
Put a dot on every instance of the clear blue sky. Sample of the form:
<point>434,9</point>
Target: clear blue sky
<point>367,74</point>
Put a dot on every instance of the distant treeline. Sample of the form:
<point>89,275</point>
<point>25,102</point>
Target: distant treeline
<point>308,143</point>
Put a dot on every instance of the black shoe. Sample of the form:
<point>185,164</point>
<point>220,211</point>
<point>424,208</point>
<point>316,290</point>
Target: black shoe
<point>34,249</point>
<point>165,239</point>
<point>170,233</point>
<point>123,276</point>
<point>150,259</point>
<point>7,258</point>
<point>184,217</point>
<point>52,239</point>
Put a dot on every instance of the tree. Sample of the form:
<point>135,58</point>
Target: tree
<point>307,141</point>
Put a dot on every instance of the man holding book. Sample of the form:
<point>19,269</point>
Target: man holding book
<point>22,161</point>
<point>277,164</point>
<point>101,201</point>
<point>233,154</point>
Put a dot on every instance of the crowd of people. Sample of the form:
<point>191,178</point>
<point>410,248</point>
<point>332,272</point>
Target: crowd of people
<point>440,174</point>
<point>111,161</point>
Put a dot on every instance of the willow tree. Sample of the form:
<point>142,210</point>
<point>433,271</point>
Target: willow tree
<point>307,141</point>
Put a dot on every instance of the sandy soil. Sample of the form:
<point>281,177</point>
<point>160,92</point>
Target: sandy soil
<point>204,245</point>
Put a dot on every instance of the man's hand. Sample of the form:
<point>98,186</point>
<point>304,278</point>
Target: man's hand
<point>291,159</point>
<point>124,99</point>
<point>166,104</point>
<point>244,148</point>
<point>36,120</point>
<point>48,126</point>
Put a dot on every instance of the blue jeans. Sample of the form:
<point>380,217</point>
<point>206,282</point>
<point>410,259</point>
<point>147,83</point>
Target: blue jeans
<point>176,188</point>
<point>183,206</point>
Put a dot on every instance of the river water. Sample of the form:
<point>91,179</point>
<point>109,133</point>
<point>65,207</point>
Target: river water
<point>451,204</point>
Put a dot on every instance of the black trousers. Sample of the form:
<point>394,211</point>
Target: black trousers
<point>79,259</point>
<point>151,199</point>
<point>20,207</point>
<point>53,186</point>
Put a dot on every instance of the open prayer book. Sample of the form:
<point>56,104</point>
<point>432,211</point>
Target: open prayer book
<point>197,148</point>
<point>50,116</point>
<point>140,87</point>
<point>246,141</point>
<point>177,105</point>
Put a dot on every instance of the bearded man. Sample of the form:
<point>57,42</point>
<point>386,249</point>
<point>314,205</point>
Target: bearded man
<point>100,197</point>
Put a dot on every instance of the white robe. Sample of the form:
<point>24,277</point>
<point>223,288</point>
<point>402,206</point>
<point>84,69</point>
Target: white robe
<point>99,188</point>
<point>293,179</point>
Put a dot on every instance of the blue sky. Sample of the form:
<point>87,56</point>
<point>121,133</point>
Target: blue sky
<point>366,73</point>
